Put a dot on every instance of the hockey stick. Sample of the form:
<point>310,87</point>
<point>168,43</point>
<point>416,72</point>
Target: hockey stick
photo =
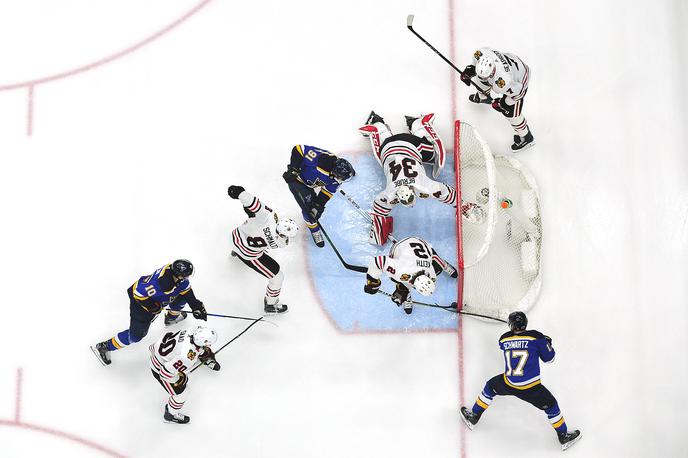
<point>232,340</point>
<point>341,259</point>
<point>450,308</point>
<point>234,317</point>
<point>409,24</point>
<point>367,216</point>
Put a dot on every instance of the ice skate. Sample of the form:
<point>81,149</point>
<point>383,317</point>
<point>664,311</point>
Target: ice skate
<point>522,142</point>
<point>318,238</point>
<point>468,417</point>
<point>568,439</point>
<point>176,417</point>
<point>274,308</point>
<point>408,307</point>
<point>478,97</point>
<point>171,318</point>
<point>102,353</point>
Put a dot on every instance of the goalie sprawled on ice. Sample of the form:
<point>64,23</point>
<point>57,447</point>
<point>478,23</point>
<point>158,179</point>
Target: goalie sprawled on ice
<point>402,157</point>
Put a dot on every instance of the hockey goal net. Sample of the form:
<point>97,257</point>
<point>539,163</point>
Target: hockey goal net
<point>499,255</point>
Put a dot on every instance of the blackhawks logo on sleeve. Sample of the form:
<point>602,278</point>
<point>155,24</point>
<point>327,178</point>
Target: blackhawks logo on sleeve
<point>500,82</point>
<point>477,54</point>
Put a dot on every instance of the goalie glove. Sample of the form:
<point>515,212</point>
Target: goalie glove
<point>372,285</point>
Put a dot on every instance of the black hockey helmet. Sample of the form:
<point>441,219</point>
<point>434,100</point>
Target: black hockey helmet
<point>343,170</point>
<point>182,268</point>
<point>518,321</point>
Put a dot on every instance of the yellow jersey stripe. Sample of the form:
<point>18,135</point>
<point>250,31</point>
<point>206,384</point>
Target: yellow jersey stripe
<point>519,387</point>
<point>299,149</point>
<point>559,423</point>
<point>162,272</point>
<point>324,172</point>
<point>481,404</point>
<point>114,342</point>
<point>507,339</point>
<point>326,192</point>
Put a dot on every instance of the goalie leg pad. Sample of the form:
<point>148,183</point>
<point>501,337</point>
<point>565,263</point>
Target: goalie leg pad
<point>380,229</point>
<point>423,127</point>
<point>377,133</point>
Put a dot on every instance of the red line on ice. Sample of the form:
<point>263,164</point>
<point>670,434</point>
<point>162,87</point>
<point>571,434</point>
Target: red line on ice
<point>459,320</point>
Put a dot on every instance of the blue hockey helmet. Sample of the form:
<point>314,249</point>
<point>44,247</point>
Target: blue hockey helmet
<point>518,321</point>
<point>343,170</point>
<point>182,268</point>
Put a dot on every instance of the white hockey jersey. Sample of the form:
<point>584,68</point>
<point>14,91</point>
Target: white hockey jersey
<point>406,260</point>
<point>511,75</point>
<point>402,164</point>
<point>258,234</point>
<point>174,353</point>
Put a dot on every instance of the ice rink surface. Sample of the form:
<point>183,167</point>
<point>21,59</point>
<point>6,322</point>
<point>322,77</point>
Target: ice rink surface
<point>163,104</point>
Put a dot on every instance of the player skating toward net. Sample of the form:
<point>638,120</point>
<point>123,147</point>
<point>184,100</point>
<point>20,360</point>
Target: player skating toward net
<point>412,263</point>
<point>263,231</point>
<point>507,75</point>
<point>172,356</point>
<point>166,287</point>
<point>402,157</point>
<point>523,351</point>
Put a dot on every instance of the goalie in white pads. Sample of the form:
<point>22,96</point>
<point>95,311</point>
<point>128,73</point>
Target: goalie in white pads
<point>172,356</point>
<point>411,263</point>
<point>263,231</point>
<point>402,157</point>
<point>507,75</point>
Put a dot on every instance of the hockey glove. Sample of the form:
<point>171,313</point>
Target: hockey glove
<point>372,285</point>
<point>200,314</point>
<point>180,384</point>
<point>208,358</point>
<point>291,174</point>
<point>317,211</point>
<point>467,74</point>
<point>502,107</point>
<point>400,294</point>
<point>234,191</point>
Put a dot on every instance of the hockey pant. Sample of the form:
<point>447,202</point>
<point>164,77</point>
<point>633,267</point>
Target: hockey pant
<point>177,393</point>
<point>305,198</point>
<point>139,323</point>
<point>270,269</point>
<point>538,396</point>
<point>512,111</point>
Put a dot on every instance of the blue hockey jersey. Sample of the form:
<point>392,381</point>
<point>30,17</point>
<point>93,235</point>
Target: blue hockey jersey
<point>522,355</point>
<point>315,165</point>
<point>158,290</point>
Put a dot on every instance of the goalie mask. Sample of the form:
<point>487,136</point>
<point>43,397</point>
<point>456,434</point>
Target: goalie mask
<point>406,195</point>
<point>424,285</point>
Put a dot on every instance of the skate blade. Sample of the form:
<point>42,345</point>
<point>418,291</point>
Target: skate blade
<point>274,313</point>
<point>567,445</point>
<point>97,354</point>
<point>468,423</point>
<point>529,145</point>
<point>172,422</point>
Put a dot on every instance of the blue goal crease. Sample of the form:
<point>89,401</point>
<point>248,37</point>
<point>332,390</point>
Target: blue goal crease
<point>341,290</point>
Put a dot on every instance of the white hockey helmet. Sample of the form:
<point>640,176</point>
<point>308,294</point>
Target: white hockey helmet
<point>406,195</point>
<point>424,285</point>
<point>203,336</point>
<point>287,228</point>
<point>486,67</point>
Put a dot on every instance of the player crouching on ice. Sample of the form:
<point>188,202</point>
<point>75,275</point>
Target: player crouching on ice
<point>402,157</point>
<point>505,74</point>
<point>313,176</point>
<point>411,263</point>
<point>172,356</point>
<point>263,231</point>
<point>523,351</point>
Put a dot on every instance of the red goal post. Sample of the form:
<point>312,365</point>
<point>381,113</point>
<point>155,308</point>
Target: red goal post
<point>498,256</point>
